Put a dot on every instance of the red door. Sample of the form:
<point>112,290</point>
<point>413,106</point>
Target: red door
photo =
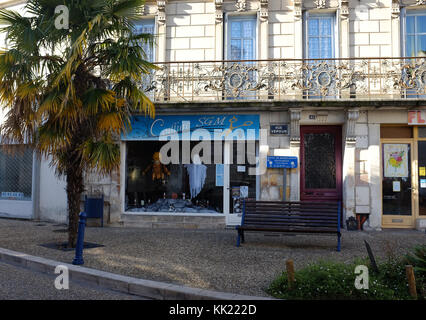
<point>320,163</point>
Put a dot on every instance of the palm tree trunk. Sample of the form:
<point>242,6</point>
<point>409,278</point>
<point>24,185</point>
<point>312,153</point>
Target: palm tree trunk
<point>75,187</point>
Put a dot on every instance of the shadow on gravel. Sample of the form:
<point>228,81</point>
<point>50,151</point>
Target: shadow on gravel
<point>63,246</point>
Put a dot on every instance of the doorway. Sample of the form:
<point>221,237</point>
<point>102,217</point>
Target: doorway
<point>397,184</point>
<point>403,160</point>
<point>320,163</point>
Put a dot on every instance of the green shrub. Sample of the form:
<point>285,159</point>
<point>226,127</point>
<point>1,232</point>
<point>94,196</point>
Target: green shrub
<point>418,260</point>
<point>329,280</point>
<point>336,280</point>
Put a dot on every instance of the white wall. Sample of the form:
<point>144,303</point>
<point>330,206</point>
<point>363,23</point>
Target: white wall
<point>16,209</point>
<point>53,200</point>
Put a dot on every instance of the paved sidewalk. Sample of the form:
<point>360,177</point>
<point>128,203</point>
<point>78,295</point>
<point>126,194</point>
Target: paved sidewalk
<point>201,259</point>
<point>20,284</point>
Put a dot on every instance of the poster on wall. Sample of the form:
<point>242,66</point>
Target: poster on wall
<point>395,157</point>
<point>238,194</point>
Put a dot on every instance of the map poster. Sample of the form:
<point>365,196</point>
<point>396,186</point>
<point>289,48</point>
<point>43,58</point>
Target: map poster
<point>395,160</point>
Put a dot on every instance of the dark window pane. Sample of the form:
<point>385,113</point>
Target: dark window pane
<point>320,162</point>
<point>422,176</point>
<point>422,133</point>
<point>16,168</point>
<point>242,184</point>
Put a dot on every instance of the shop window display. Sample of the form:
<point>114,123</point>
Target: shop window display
<point>175,188</point>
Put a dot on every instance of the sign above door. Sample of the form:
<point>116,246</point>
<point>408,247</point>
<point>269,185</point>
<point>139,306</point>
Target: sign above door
<point>417,117</point>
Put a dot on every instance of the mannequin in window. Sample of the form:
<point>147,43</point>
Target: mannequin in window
<point>197,175</point>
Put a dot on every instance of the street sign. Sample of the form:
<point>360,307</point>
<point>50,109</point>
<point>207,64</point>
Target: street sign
<point>279,129</point>
<point>281,162</point>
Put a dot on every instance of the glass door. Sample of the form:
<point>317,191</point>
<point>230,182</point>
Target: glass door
<point>422,178</point>
<point>320,163</point>
<point>397,186</point>
<point>239,184</point>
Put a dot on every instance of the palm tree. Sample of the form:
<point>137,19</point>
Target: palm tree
<point>70,93</point>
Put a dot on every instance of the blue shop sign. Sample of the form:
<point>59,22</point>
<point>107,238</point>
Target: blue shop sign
<point>185,127</point>
<point>281,162</point>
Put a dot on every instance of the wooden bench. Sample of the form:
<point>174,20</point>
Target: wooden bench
<point>283,216</point>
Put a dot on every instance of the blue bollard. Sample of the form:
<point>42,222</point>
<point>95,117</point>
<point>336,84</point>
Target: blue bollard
<point>80,240</point>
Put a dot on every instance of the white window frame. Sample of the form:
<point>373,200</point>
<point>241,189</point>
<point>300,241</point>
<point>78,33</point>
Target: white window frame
<point>227,30</point>
<point>335,48</point>
<point>403,26</point>
<point>146,21</point>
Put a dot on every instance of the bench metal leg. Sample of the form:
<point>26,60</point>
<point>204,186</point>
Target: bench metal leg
<point>338,242</point>
<point>238,238</point>
<point>242,237</point>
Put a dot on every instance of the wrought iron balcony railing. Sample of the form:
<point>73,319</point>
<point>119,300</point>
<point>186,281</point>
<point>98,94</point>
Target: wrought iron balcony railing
<point>287,80</point>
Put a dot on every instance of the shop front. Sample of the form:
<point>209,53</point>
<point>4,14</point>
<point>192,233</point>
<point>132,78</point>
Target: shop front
<point>403,150</point>
<point>183,168</point>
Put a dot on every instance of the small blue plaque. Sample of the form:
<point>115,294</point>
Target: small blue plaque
<point>281,162</point>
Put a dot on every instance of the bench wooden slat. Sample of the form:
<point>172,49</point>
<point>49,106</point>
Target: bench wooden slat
<point>290,221</point>
<point>301,216</point>
<point>292,229</point>
<point>282,217</point>
<point>295,212</point>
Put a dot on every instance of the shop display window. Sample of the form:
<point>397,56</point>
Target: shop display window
<point>173,188</point>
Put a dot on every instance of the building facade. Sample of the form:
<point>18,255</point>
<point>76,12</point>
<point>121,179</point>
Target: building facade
<point>29,188</point>
<point>340,85</point>
<point>333,74</point>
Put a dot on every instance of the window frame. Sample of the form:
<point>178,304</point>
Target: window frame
<point>403,26</point>
<point>335,33</point>
<point>227,38</point>
<point>149,21</point>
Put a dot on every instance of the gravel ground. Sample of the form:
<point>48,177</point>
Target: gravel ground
<point>205,259</point>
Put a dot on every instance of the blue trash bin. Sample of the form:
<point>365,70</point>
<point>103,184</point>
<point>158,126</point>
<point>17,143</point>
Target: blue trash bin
<point>94,208</point>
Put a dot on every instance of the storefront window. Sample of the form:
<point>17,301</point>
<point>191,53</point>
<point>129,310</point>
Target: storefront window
<point>174,188</point>
<point>242,184</point>
<point>422,176</point>
<point>16,165</point>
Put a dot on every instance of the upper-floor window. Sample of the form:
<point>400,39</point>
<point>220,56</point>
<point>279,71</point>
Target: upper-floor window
<point>415,33</point>
<point>241,38</point>
<point>146,26</point>
<point>320,36</point>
